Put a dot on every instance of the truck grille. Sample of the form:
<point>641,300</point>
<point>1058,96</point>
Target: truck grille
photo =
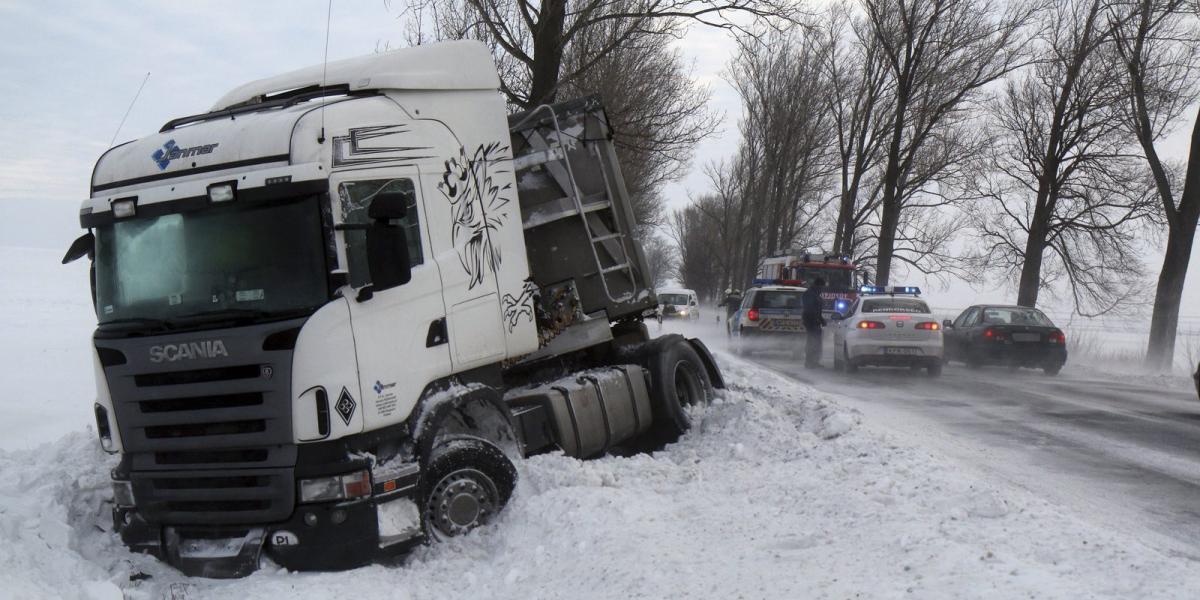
<point>209,440</point>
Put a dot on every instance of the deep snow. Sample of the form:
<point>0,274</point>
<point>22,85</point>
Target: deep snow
<point>779,493</point>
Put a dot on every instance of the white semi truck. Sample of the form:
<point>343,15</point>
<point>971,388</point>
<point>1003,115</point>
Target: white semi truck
<point>335,309</point>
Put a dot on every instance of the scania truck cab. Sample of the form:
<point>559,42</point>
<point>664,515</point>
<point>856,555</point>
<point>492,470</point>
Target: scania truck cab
<point>337,307</point>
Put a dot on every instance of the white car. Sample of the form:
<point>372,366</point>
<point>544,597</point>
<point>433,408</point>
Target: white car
<point>890,327</point>
<point>678,303</point>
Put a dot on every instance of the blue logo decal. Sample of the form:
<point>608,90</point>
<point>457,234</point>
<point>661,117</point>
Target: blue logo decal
<point>169,152</point>
<point>378,387</point>
<point>162,156</point>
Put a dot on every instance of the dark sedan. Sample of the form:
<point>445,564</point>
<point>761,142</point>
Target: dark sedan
<point>1015,336</point>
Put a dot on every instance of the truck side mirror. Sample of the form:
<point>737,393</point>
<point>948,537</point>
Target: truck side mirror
<point>387,243</point>
<point>83,245</point>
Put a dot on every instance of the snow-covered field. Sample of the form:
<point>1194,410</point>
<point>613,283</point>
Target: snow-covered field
<point>779,493</point>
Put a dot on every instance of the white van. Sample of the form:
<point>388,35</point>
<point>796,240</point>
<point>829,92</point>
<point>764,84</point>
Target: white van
<point>678,303</point>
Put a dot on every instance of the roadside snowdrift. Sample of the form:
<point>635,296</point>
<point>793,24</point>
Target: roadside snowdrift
<point>778,493</point>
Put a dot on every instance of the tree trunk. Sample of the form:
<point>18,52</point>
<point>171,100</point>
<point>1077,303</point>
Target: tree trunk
<point>1164,323</point>
<point>547,52</point>
<point>889,218</point>
<point>1031,267</point>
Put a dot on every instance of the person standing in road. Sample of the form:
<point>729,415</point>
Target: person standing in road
<point>732,301</point>
<point>813,322</point>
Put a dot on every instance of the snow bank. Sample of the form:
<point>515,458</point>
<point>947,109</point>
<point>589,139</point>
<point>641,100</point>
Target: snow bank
<point>778,493</point>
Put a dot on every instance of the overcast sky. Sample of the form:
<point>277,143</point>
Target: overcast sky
<point>68,71</point>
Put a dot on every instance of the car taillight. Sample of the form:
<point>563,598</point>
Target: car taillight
<point>928,325</point>
<point>752,314</point>
<point>1058,337</point>
<point>993,334</point>
<point>870,325</point>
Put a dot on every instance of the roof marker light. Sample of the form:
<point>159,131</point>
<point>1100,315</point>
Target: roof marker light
<point>122,209</point>
<point>220,192</point>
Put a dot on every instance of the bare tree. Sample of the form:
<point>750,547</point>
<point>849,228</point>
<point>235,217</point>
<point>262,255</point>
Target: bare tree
<point>787,139</point>
<point>1066,190</point>
<point>615,48</point>
<point>699,259</point>
<point>660,258</point>
<point>657,110</point>
<point>1159,46</point>
<point>940,55</point>
<point>860,105</point>
<point>536,36</point>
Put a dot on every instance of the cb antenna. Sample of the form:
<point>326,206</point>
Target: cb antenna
<point>130,109</point>
<point>324,68</point>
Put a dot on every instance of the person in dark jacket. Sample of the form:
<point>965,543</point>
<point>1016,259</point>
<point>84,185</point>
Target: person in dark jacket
<point>810,304</point>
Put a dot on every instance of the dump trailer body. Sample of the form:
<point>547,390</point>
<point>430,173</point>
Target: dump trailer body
<point>575,210</point>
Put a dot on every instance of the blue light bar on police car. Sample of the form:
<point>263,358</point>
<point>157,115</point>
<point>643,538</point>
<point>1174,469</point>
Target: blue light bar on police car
<point>893,290</point>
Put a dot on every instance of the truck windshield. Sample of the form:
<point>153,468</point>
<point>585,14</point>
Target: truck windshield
<point>259,260</point>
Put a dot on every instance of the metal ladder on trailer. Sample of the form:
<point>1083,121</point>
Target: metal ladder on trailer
<point>558,163</point>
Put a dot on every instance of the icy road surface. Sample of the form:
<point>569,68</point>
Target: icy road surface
<point>1123,448</point>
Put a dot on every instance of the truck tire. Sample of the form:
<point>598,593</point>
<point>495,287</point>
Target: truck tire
<point>678,379</point>
<point>465,483</point>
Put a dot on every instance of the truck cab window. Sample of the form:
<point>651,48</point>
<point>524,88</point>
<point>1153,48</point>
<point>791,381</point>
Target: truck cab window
<point>354,199</point>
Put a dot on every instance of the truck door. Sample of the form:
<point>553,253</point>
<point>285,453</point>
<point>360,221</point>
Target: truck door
<point>399,333</point>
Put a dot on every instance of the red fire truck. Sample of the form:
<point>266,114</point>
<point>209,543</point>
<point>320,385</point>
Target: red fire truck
<point>842,277</point>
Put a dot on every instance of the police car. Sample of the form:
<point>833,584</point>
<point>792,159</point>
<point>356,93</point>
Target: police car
<point>887,326</point>
<point>769,318</point>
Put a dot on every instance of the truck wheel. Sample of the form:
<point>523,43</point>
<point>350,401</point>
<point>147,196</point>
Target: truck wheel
<point>467,481</point>
<point>1052,369</point>
<point>678,379</point>
<point>934,369</point>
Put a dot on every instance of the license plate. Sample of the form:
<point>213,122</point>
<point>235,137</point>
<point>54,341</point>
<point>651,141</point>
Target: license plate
<point>902,351</point>
<point>1027,337</point>
<point>781,325</point>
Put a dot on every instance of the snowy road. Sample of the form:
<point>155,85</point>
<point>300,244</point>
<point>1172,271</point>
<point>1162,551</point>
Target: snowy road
<point>1125,450</point>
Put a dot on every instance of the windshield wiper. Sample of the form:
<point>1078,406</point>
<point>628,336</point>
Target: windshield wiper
<point>133,323</point>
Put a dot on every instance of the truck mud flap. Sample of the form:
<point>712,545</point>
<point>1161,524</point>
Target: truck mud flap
<point>714,374</point>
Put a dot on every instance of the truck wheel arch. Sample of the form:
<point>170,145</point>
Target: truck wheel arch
<point>710,364</point>
<point>474,410</point>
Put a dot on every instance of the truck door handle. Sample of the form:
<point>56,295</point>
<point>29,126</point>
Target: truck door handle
<point>437,333</point>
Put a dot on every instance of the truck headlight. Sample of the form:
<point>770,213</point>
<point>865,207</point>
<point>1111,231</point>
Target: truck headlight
<point>337,487</point>
<point>123,494</point>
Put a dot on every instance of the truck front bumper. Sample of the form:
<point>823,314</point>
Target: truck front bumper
<point>327,536</point>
